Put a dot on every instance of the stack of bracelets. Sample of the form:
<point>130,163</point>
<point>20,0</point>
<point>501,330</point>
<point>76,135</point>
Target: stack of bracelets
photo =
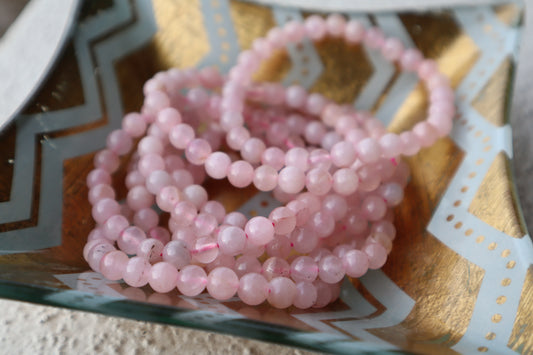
<point>338,172</point>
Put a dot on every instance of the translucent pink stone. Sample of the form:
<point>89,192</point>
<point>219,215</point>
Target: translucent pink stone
<point>197,151</point>
<point>392,193</point>
<point>236,219</point>
<point>204,224</point>
<point>265,178</point>
<point>247,264</point>
<point>151,250</point>
<point>149,163</point>
<point>377,255</point>
<point>216,209</point>
<point>205,250</point>
<point>277,133</point>
<point>306,295</point>
<point>259,230</point>
<point>163,277</point>
<point>130,239</point>
<point>230,120</point>
<point>425,133</point>
<point>181,135</point>
<point>391,145</point>
<point>355,223</point>
<point>304,268</point>
<point>385,227</point>
<point>231,240</point>
<point>182,178</point>
<point>373,208</point>
<point>252,150</point>
<point>240,173</point>
<point>139,197</point>
<point>274,267</point>
<point>284,220</point>
<point>331,269</point>
<point>156,101</point>
<point>253,289</point>
<point>192,280</point>
<point>411,59</point>
<point>107,160</point>
<point>253,249</point>
<point>236,137</point>
<point>374,38</point>
<point>157,180</point>
<point>136,272</point>
<point>186,235</point>
<point>134,178</point>
<point>335,25</point>
<point>323,223</point>
<point>300,210</point>
<point>176,253</point>
<point>159,233</point>
<point>314,105</point>
<point>282,292</point>
<point>96,253</point>
<point>114,226</point>
<point>119,142</point>
<point>217,164</point>
<point>146,219</point>
<point>324,295</point>
<point>335,205</point>
<point>369,178</point>
<point>274,157</point>
<point>173,162</point>
<point>354,32</point>
<point>297,157</point>
<point>222,283</point>
<point>381,238</point>
<point>280,247</point>
<point>320,158</point>
<point>315,27</point>
<point>318,254</point>
<point>318,181</point>
<point>294,31</point>
<point>167,198</point>
<point>368,150</point>
<point>313,202</point>
<point>291,179</point>
<point>113,265</point>
<point>150,145</point>
<point>97,177</point>
<point>314,132</point>
<point>195,194</point>
<point>100,192</point>
<point>98,238</point>
<point>331,114</point>
<point>345,181</point>
<point>392,49</point>
<point>134,124</point>
<point>105,208</point>
<point>304,239</point>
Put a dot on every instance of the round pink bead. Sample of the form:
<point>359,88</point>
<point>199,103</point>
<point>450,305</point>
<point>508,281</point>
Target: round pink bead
<point>159,233</point>
<point>331,269</point>
<point>284,220</point>
<point>240,173</point>
<point>304,239</point>
<point>113,265</point>
<point>274,267</point>
<point>259,230</point>
<point>373,208</point>
<point>107,160</point>
<point>217,164</point>
<point>150,145</point>
<point>265,178</point>
<point>315,27</point>
<point>392,49</point>
<point>130,239</point>
<point>323,223</point>
<point>280,247</point>
<point>368,150</point>
<point>197,151</point>
<point>114,226</point>
<point>253,289</point>
<point>304,268</point>
<point>146,219</point>
<point>297,157</point>
<point>274,157</point>
<point>324,294</point>
<point>222,283</point>
<point>134,124</point>
<point>320,158</point>
<point>205,250</point>
<point>236,137</point>
<point>391,145</point>
<point>300,210</point>
<point>163,277</point>
<point>335,205</point>
<point>411,59</point>
<point>204,224</point>
<point>195,194</point>
<point>236,219</point>
<point>96,253</point>
<point>137,271</point>
<point>105,208</point>
<point>192,280</point>
<point>314,132</point>
<point>149,163</point>
<point>318,181</point>
<point>252,150</point>
<point>231,240</point>
<point>157,180</point>
<point>100,192</point>
<point>247,264</point>
<point>354,32</point>
<point>182,178</point>
<point>282,292</point>
<point>119,142</point>
<point>306,295</point>
<point>176,253</point>
<point>139,197</point>
<point>134,178</point>
<point>167,198</point>
<point>335,25</point>
<point>295,96</point>
<point>377,255</point>
<point>291,179</point>
<point>97,177</point>
<point>345,182</point>
<point>215,209</point>
<point>230,120</point>
<point>181,135</point>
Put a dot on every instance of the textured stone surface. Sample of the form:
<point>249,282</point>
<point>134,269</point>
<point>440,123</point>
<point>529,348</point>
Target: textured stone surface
<point>31,329</point>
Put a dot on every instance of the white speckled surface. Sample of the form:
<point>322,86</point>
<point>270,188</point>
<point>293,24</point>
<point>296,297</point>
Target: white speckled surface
<point>32,329</point>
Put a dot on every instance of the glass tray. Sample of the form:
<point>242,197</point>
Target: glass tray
<point>459,278</point>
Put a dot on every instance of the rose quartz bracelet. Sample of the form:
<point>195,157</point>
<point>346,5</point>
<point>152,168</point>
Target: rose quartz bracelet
<point>204,235</point>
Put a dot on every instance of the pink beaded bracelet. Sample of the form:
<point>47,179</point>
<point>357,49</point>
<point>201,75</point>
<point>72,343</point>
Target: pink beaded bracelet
<point>204,238</point>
